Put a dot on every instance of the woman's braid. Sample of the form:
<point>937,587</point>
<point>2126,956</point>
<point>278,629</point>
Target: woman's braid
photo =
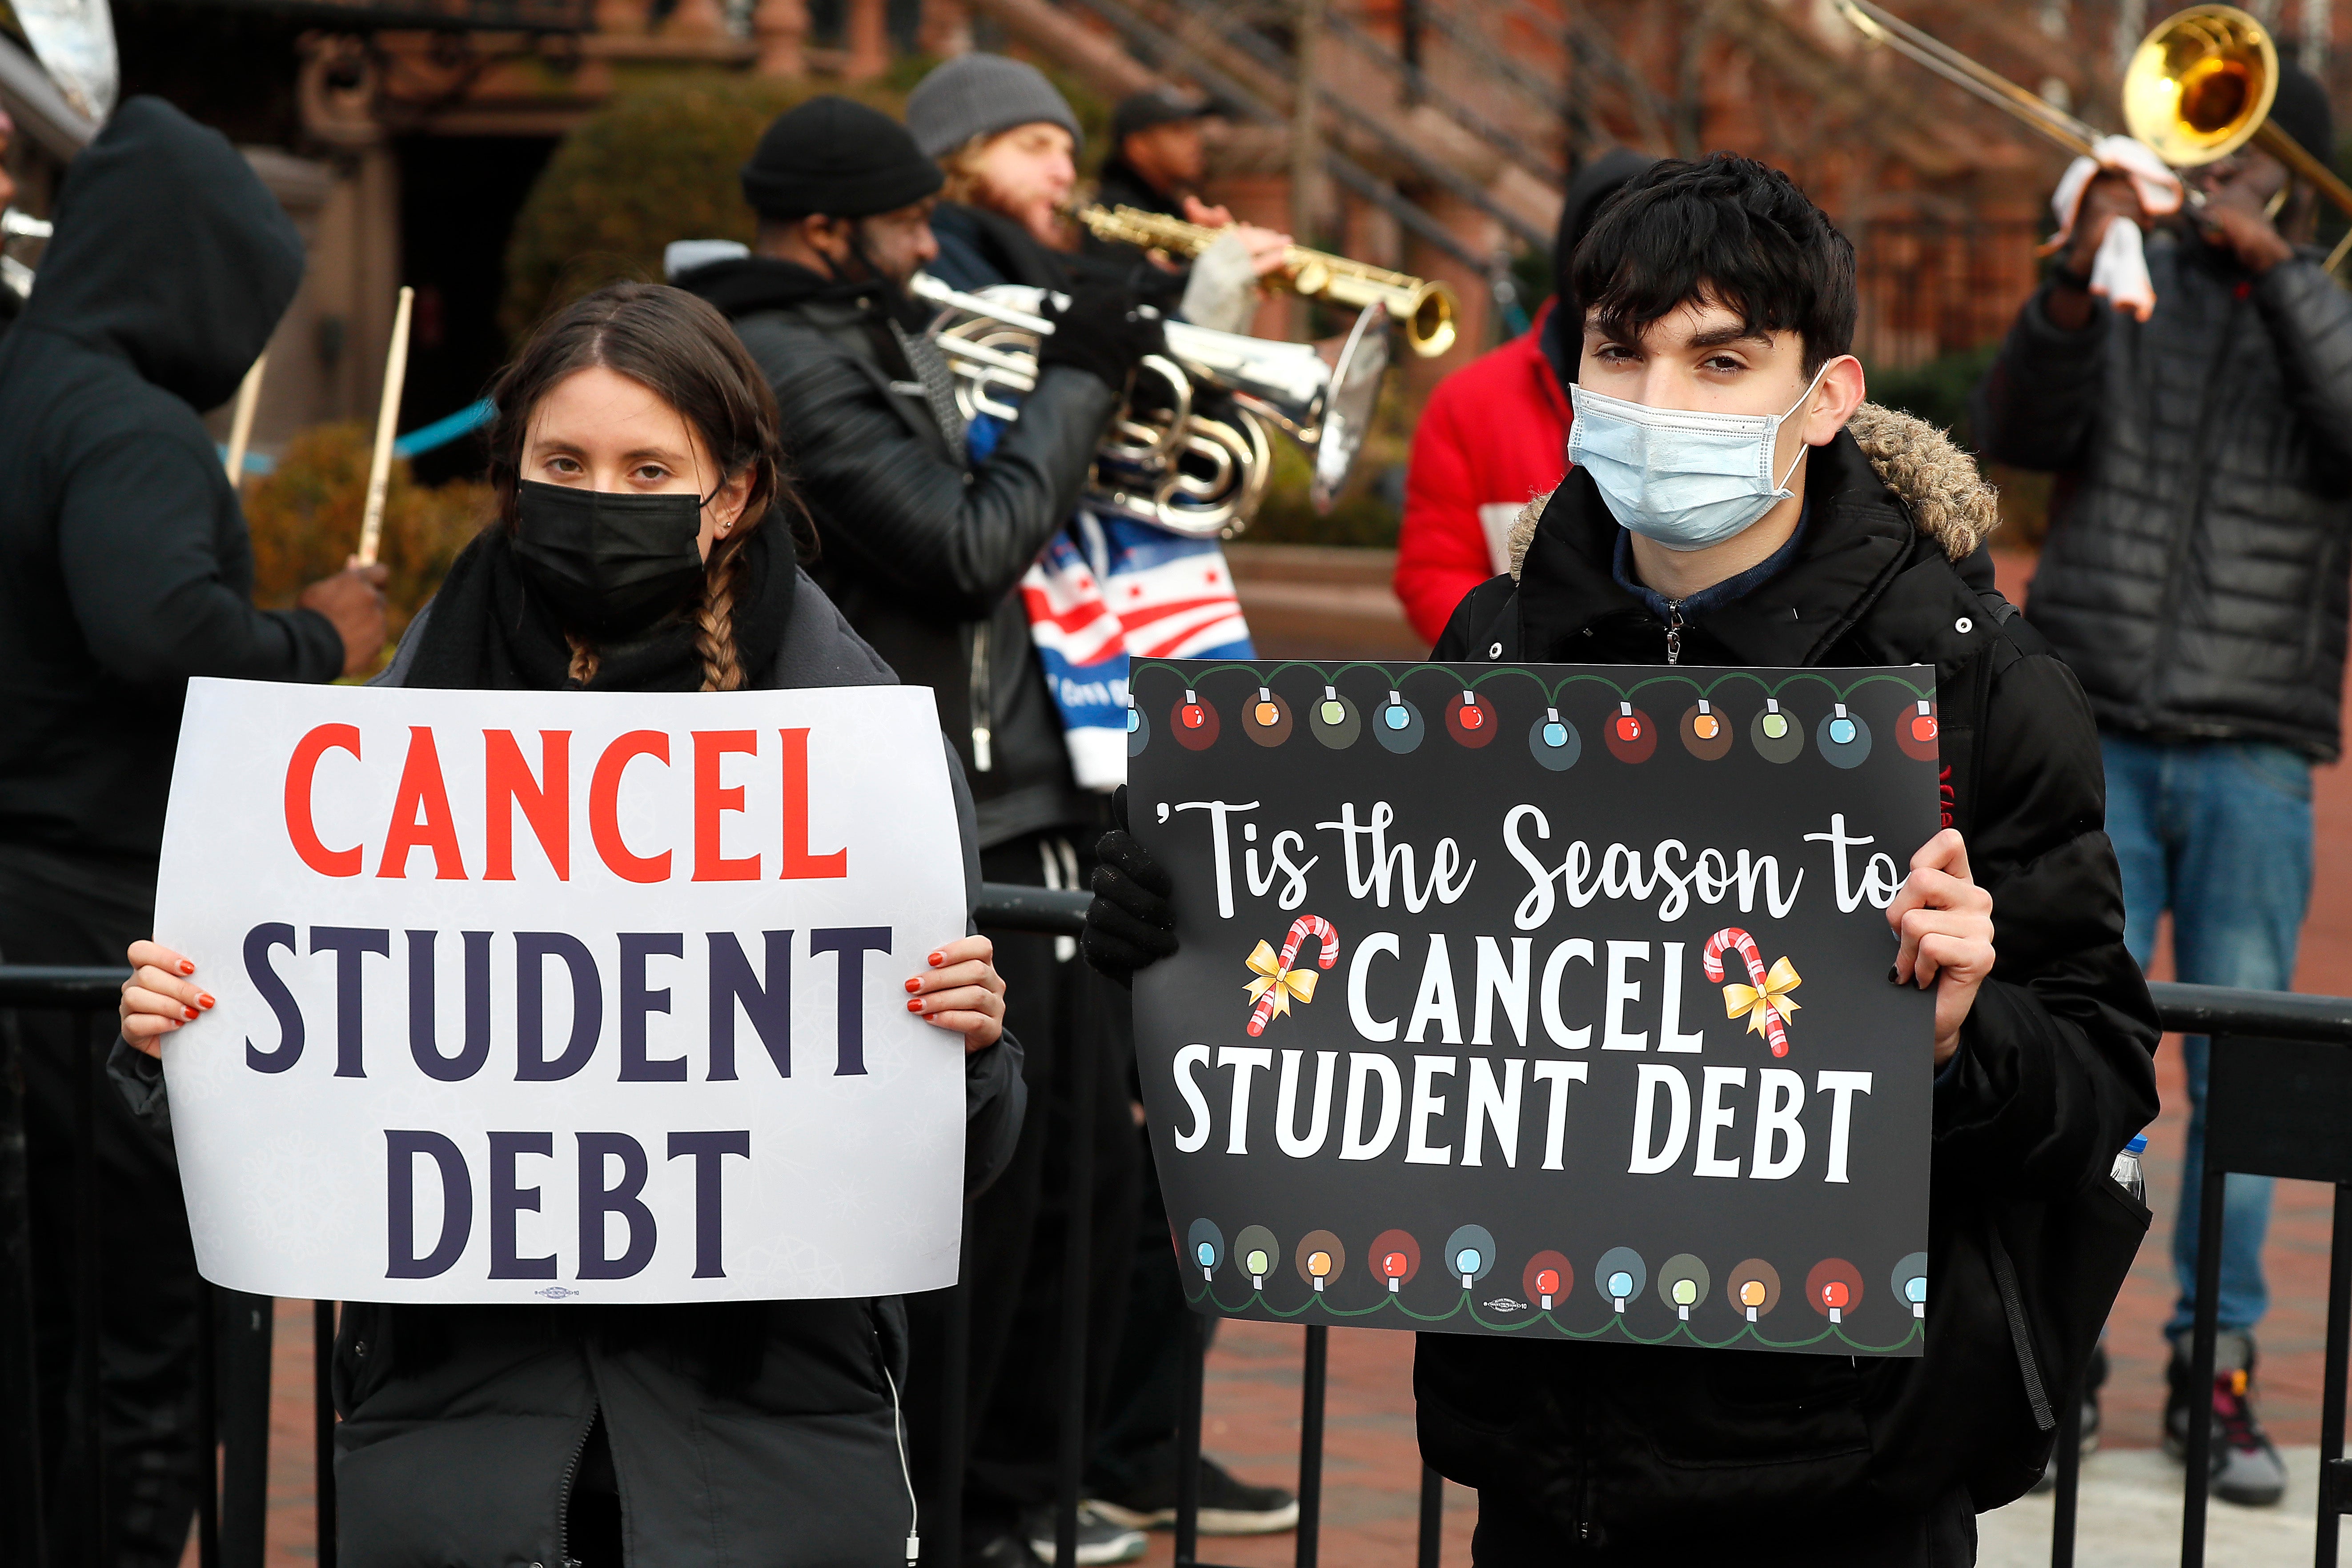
<point>583,660</point>
<point>715,619</point>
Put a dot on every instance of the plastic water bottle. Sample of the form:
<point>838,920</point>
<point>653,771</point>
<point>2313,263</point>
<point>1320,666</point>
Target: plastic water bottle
<point>2126,1173</point>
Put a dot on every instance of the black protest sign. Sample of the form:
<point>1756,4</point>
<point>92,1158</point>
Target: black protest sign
<point>1549,1000</point>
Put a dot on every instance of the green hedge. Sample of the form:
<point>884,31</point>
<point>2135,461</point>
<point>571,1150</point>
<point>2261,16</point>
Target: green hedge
<point>655,163</point>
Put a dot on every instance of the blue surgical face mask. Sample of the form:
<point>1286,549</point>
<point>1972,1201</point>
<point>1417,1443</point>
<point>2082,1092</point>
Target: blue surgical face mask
<point>1683,477</point>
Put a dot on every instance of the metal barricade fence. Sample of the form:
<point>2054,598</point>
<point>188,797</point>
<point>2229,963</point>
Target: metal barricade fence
<point>2254,1033</point>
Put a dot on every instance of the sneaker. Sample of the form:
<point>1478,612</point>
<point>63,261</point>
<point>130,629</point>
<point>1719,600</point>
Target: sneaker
<point>1100,1540</point>
<point>1002,1551</point>
<point>1228,1506</point>
<point>2245,1466</point>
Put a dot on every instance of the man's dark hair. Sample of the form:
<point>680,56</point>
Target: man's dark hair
<point>1725,230</point>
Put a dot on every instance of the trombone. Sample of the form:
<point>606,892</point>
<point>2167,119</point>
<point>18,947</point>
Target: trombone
<point>2198,89</point>
<point>1423,307</point>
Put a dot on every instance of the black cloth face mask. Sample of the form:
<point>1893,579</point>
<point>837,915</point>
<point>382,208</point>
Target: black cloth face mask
<point>608,563</point>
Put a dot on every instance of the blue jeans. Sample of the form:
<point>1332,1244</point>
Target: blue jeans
<point>2219,834</point>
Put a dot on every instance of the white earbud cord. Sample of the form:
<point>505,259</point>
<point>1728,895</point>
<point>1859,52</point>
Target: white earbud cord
<point>906,1474</point>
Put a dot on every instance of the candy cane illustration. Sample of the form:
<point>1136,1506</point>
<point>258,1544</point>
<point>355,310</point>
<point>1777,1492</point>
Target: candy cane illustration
<point>1765,999</point>
<point>1328,941</point>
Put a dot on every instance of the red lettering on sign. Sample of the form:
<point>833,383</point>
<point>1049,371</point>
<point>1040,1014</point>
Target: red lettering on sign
<point>420,814</point>
<point>546,801</point>
<point>299,829</point>
<point>604,803</point>
<point>799,864</point>
<point>711,747</point>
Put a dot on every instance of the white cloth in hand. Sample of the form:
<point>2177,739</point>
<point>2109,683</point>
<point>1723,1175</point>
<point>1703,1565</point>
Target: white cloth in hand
<point>2119,267</point>
<point>2119,270</point>
<point>1221,291</point>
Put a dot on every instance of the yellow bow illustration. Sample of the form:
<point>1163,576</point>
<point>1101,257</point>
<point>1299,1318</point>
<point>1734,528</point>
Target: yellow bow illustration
<point>1760,1005</point>
<point>1284,982</point>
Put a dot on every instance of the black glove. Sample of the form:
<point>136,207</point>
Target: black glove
<point>1103,331</point>
<point>1130,925</point>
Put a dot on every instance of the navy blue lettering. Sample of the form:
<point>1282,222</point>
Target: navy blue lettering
<point>266,980</point>
<point>532,949</point>
<point>769,1006</point>
<point>853,943</point>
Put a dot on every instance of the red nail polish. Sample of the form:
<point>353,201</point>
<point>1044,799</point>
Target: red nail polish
<point>205,1002</point>
<point>916,1005</point>
<point>187,968</point>
<point>914,985</point>
<point>191,1012</point>
<point>938,959</point>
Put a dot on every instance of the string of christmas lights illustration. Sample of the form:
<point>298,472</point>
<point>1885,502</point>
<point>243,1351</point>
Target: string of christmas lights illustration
<point>1834,1287</point>
<point>1261,678</point>
<point>1708,730</point>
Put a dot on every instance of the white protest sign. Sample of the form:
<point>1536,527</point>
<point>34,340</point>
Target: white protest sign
<point>563,995</point>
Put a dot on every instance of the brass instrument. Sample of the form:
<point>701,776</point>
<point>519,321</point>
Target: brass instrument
<point>2198,89</point>
<point>73,44</point>
<point>1424,308</point>
<point>14,275</point>
<point>1169,461</point>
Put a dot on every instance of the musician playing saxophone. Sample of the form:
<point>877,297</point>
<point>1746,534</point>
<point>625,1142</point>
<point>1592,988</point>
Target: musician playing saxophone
<point>1009,145</point>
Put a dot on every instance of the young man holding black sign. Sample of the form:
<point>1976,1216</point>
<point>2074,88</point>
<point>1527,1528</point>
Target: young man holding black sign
<point>1734,502</point>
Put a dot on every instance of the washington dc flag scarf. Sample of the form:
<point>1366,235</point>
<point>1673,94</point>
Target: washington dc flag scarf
<point>1106,589</point>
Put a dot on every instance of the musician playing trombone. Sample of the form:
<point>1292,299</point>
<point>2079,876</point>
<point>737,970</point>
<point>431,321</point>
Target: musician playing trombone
<point>2195,580</point>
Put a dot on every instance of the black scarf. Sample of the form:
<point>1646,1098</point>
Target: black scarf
<point>489,632</point>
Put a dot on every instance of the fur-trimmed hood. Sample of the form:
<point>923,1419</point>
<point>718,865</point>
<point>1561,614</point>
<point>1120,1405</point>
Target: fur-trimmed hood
<point>1938,484</point>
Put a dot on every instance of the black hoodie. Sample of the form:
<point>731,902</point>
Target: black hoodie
<point>125,567</point>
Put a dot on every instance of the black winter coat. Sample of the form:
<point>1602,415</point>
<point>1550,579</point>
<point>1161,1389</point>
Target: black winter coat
<point>2201,533</point>
<point>1617,1443</point>
<point>125,566</point>
<point>753,1433</point>
<point>922,554</point>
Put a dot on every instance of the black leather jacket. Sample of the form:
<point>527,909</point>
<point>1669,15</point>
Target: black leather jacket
<point>923,554</point>
<point>2202,528</point>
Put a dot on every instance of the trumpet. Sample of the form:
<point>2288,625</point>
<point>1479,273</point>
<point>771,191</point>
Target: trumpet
<point>2198,89</point>
<point>1170,460</point>
<point>1423,308</point>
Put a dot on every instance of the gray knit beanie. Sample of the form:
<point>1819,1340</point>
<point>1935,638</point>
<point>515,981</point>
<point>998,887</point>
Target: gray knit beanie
<point>979,95</point>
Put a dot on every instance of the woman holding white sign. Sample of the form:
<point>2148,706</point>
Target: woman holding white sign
<point>637,549</point>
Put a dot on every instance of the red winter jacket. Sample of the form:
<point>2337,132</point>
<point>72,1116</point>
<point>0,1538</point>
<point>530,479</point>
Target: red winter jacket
<point>1495,435</point>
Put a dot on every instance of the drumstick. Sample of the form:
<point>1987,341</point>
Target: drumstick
<point>387,417</point>
<point>240,424</point>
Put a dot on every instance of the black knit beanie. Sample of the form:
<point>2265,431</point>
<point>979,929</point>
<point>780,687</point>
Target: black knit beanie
<point>837,157</point>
